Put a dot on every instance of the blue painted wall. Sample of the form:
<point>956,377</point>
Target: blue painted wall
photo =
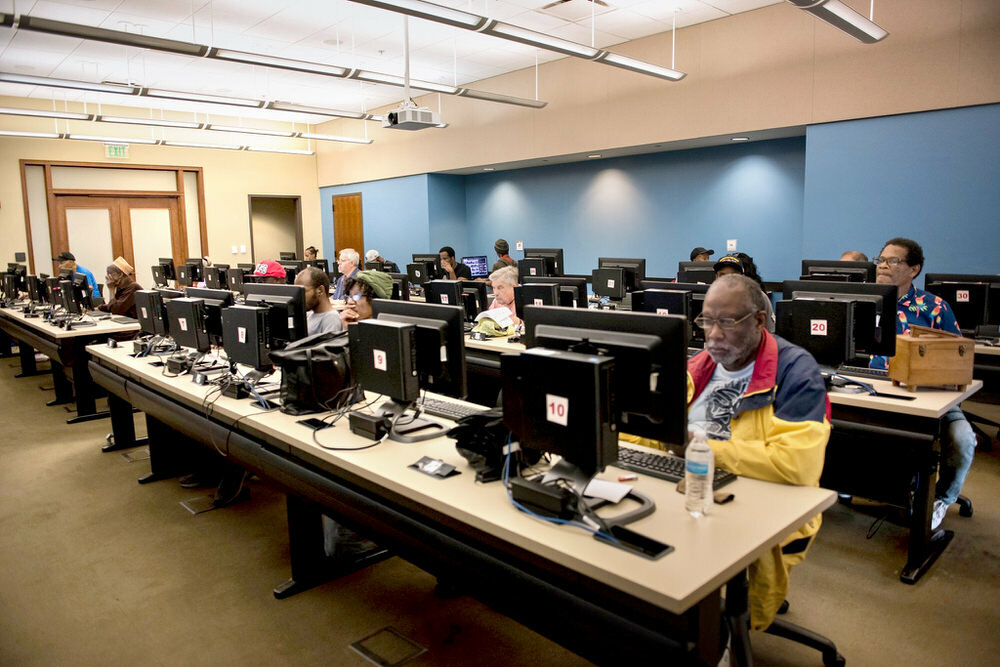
<point>446,213</point>
<point>395,213</point>
<point>655,206</point>
<point>933,177</point>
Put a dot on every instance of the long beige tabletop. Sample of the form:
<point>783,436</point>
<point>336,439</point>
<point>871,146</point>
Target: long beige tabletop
<point>708,552</point>
<point>102,326</point>
<point>988,350</point>
<point>927,401</point>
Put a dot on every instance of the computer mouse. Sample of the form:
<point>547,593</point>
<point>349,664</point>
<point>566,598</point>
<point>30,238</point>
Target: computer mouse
<point>477,335</point>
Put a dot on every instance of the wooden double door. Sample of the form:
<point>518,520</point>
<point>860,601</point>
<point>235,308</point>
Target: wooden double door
<point>100,228</point>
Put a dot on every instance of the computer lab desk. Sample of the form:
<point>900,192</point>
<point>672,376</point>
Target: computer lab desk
<point>66,349</point>
<point>878,446</point>
<point>601,602</point>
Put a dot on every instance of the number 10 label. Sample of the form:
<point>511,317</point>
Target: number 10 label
<point>556,409</point>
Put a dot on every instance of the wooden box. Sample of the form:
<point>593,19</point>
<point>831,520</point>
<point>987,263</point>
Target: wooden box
<point>931,358</point>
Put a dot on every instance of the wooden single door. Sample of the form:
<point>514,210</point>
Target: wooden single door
<point>348,227</point>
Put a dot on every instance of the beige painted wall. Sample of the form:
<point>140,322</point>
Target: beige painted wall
<point>229,177</point>
<point>770,68</point>
<point>273,227</point>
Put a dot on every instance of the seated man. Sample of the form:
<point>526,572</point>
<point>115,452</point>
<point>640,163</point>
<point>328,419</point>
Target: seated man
<point>67,262</point>
<point>347,263</point>
<point>763,404</point>
<point>121,292</point>
<point>900,261</point>
<point>504,280</point>
<point>320,315</point>
<point>453,269</point>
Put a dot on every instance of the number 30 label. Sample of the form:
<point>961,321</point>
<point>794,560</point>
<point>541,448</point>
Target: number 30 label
<point>962,296</point>
<point>556,409</point>
<point>817,327</point>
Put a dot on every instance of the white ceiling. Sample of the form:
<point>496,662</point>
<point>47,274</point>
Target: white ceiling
<point>329,31</point>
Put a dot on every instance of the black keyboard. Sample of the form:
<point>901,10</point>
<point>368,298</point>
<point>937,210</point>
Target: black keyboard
<point>449,410</point>
<point>864,372</point>
<point>124,320</point>
<point>670,468</point>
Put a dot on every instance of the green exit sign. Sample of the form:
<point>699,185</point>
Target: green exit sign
<point>119,151</point>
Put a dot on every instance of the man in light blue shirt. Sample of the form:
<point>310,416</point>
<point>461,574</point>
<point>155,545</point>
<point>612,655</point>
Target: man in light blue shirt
<point>67,261</point>
<point>347,263</point>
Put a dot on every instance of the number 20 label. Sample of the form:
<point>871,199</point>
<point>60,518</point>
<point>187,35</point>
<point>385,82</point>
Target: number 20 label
<point>817,327</point>
<point>556,409</point>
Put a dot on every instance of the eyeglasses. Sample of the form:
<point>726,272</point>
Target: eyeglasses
<point>891,261</point>
<point>355,297</point>
<point>724,323</point>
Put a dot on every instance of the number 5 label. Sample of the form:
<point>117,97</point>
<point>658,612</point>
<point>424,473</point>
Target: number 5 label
<point>556,409</point>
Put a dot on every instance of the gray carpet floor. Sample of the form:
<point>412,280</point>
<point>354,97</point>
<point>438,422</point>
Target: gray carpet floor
<point>96,569</point>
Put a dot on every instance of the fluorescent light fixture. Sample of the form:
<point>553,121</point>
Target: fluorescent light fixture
<point>191,144</point>
<point>332,137</point>
<point>840,16</point>
<point>489,169</point>
<point>290,151</point>
<point>41,113</point>
<point>429,11</point>
<point>249,130</point>
<point>154,122</point>
<point>595,155</point>
<point>28,80</point>
<point>319,111</point>
<point>37,24</point>
<point>32,135</point>
<point>740,139</point>
<point>394,80</point>
<point>497,97</point>
<point>539,39</point>
<point>639,66</point>
<point>281,63</point>
<point>6,20</point>
<point>112,140</point>
<point>199,97</point>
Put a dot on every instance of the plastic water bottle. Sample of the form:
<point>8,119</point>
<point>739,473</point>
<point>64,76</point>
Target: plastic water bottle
<point>699,471</point>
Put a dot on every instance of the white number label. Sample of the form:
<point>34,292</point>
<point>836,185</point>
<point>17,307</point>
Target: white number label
<point>378,358</point>
<point>444,298</point>
<point>817,327</point>
<point>538,302</point>
<point>145,315</point>
<point>532,270</point>
<point>291,324</point>
<point>611,284</point>
<point>662,311</point>
<point>416,273</point>
<point>556,409</point>
<point>962,296</point>
<point>183,322</point>
<point>241,334</point>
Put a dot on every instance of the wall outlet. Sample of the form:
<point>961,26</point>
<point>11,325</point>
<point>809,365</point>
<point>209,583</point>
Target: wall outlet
<point>236,249</point>
<point>243,249</point>
<point>519,245</point>
<point>730,245</point>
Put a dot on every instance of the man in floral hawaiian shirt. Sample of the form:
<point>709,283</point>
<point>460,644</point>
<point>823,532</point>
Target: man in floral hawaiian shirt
<point>900,261</point>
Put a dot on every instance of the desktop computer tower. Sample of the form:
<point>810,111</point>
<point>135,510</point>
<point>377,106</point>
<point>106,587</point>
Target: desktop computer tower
<point>245,334</point>
<point>384,358</point>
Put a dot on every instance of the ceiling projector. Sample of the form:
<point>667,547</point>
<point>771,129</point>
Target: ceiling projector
<point>408,116</point>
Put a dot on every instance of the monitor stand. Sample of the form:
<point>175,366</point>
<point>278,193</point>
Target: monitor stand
<point>579,480</point>
<point>409,428</point>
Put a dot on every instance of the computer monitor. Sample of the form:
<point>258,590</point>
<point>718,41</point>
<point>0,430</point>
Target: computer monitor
<point>20,273</point>
<point>478,265</point>
<point>234,278</point>
<point>67,297</point>
<point>151,312</point>
<point>245,336</point>
<point>217,276</point>
<point>400,287</point>
<point>195,269</point>
<point>824,269</point>
<point>168,267</point>
<point>432,258</point>
<point>215,301</point>
<point>572,291</point>
<point>650,351</point>
<point>185,275</point>
<point>875,324</point>
<point>479,302</point>
<point>609,282</point>
<point>696,272</point>
<point>320,264</point>
<point>553,258</point>
<point>286,255</point>
<point>635,269</point>
<point>440,340</point>
<point>826,329</point>
<point>975,298</point>
<point>420,273</point>
<point>663,302</point>
<point>159,275</point>
<point>36,289</point>
<point>447,292</point>
<point>287,310</point>
<point>10,291</point>
<point>536,294</point>
<point>53,288</point>
<point>533,266</point>
<point>186,319</point>
<point>82,292</point>
<point>292,269</point>
<point>246,268</point>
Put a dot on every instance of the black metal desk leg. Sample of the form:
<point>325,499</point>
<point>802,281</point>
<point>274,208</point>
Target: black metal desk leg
<point>84,388</point>
<point>738,617</point>
<point>925,545</point>
<point>168,450</point>
<point>62,385</point>
<point>122,426</point>
<point>26,353</point>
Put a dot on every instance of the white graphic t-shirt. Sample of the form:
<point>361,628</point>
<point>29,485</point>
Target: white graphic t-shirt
<point>715,406</point>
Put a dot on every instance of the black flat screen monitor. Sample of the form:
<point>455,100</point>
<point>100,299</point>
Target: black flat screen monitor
<point>168,267</point>
<point>876,336</point>
<point>195,269</point>
<point>292,269</point>
<point>575,298</point>
<point>823,269</point>
<point>534,267</point>
<point>434,259</point>
<point>695,272</point>
<point>36,289</point>
<point>247,268</point>
<point>446,292</point>
<point>235,279</point>
<point>82,293</point>
<point>186,318</point>
<point>287,310</point>
<point>400,287</point>
<point>552,256</point>
<point>635,269</point>
<point>215,301</point>
<point>420,273</point>
<point>185,275</point>
<point>478,265</point>
<point>536,294</point>
<point>67,297</point>
<point>217,277</point>
<point>650,377</point>
<point>151,312</point>
<point>159,276</point>
<point>663,302</point>
<point>19,272</point>
<point>53,288</point>
<point>285,255</point>
<point>609,282</point>
<point>10,291</point>
<point>478,290</point>
<point>968,310</point>
<point>826,329</point>
<point>440,339</point>
<point>320,264</point>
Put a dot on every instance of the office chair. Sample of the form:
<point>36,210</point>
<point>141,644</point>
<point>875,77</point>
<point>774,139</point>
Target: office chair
<point>737,615</point>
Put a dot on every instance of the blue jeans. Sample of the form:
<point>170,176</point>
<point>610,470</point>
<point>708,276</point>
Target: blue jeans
<point>958,445</point>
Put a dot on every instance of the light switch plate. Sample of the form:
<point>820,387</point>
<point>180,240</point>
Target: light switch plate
<point>519,245</point>
<point>730,245</point>
<point>243,249</point>
<point>236,249</point>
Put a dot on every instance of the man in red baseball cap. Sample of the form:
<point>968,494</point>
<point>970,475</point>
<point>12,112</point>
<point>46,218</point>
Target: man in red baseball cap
<point>269,271</point>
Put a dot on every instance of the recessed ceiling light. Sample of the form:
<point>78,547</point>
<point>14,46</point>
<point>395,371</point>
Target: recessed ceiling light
<point>741,138</point>
<point>591,157</point>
